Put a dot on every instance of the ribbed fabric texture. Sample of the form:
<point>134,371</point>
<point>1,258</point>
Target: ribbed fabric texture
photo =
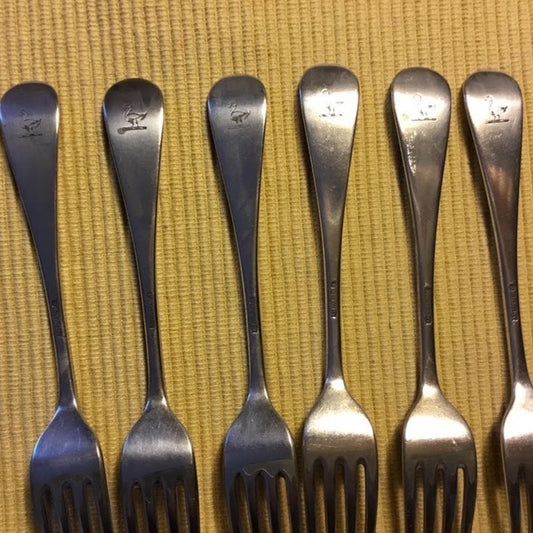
<point>82,48</point>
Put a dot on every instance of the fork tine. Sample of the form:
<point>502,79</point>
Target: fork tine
<point>450,501</point>
<point>150,505</point>
<point>101,497</point>
<point>232,504</point>
<point>81,515</point>
<point>251,497</point>
<point>527,475</point>
<point>371,494</point>
<point>329,495</point>
<point>430,499</point>
<point>271,494</point>
<point>59,511</point>
<point>513,496</point>
<point>169,494</point>
<point>350,495</point>
<point>310,497</point>
<point>190,488</point>
<point>128,505</point>
<point>409,491</point>
<point>469,499</point>
<point>39,512</point>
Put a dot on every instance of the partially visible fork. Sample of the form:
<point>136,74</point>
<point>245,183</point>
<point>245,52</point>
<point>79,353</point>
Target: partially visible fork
<point>494,107</point>
<point>66,465</point>
<point>259,443</point>
<point>337,432</point>
<point>436,439</point>
<point>157,452</point>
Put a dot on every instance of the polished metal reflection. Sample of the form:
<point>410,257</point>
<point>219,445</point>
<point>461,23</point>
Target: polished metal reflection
<point>66,459</point>
<point>157,451</point>
<point>436,437</point>
<point>258,443</point>
<point>337,431</point>
<point>494,107</point>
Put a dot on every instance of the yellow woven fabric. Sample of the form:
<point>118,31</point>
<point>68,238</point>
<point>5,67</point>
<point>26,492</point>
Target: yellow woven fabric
<point>82,48</point>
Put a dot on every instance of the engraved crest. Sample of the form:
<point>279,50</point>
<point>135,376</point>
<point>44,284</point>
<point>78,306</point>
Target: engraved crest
<point>237,114</point>
<point>331,109</point>
<point>30,125</point>
<point>133,117</point>
<point>424,109</point>
<point>497,110</point>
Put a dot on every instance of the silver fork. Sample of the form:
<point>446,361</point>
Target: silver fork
<point>436,439</point>
<point>66,465</point>
<point>259,443</point>
<point>337,432</point>
<point>157,453</point>
<point>494,107</point>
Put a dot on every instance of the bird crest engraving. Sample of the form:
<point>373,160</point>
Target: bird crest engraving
<point>238,115</point>
<point>133,117</point>
<point>425,109</point>
<point>30,125</point>
<point>497,110</point>
<point>331,108</point>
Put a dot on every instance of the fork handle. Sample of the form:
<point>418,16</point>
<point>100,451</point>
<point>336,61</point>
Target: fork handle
<point>494,107</point>
<point>329,101</point>
<point>421,104</point>
<point>237,115</point>
<point>29,114</point>
<point>133,115</point>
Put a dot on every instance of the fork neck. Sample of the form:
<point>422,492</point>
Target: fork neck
<point>424,198</point>
<point>504,211</point>
<point>44,238</point>
<point>331,231</point>
<point>425,252</point>
<point>248,263</point>
<point>143,236</point>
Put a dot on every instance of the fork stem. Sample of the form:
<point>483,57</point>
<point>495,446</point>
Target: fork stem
<point>421,105</point>
<point>248,260</point>
<point>498,142</point>
<point>331,221</point>
<point>239,148</point>
<point>425,236</point>
<point>136,155</point>
<point>505,213</point>
<point>143,237</point>
<point>33,160</point>
<point>329,98</point>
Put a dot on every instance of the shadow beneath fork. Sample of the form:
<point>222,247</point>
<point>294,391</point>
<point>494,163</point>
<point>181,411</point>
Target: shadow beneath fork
<point>493,479</point>
<point>394,478</point>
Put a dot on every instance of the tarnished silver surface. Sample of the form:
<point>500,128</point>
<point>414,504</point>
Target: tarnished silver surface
<point>157,451</point>
<point>337,431</point>
<point>494,107</point>
<point>258,443</point>
<point>66,459</point>
<point>436,437</point>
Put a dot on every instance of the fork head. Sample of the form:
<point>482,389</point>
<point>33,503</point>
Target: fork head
<point>158,456</point>
<point>437,442</point>
<point>517,451</point>
<point>338,434</point>
<point>66,469</point>
<point>259,446</point>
